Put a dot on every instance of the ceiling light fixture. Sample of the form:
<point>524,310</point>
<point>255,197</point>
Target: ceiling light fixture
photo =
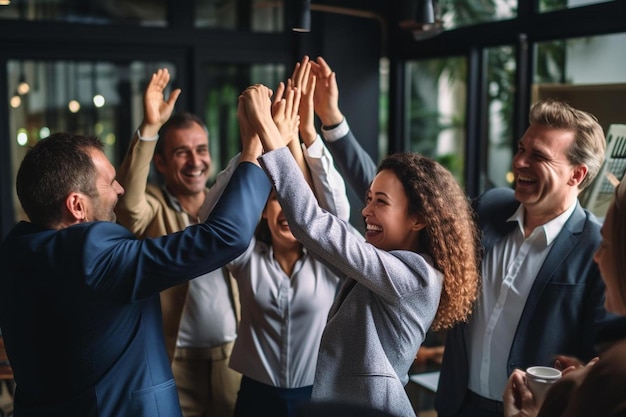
<point>421,18</point>
<point>301,16</point>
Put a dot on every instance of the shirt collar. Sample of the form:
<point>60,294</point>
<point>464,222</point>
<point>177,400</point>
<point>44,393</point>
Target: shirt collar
<point>173,201</point>
<point>550,229</point>
<point>270,253</point>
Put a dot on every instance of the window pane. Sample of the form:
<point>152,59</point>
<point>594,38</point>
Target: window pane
<point>589,74</point>
<point>436,91</point>
<point>500,92</point>
<point>551,5</point>
<point>224,84</point>
<point>95,98</point>
<point>457,13</point>
<point>260,16</point>
<point>147,12</point>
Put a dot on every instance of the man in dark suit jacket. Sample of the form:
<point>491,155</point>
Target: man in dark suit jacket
<point>542,294</point>
<point>79,294</point>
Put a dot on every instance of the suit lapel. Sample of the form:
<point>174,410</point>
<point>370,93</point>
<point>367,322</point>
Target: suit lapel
<point>563,245</point>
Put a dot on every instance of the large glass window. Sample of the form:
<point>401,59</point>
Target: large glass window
<point>457,13</point>
<point>106,100</point>
<point>501,68</point>
<point>96,98</point>
<point>147,12</point>
<point>255,15</point>
<point>224,83</point>
<point>588,73</point>
<point>436,106</point>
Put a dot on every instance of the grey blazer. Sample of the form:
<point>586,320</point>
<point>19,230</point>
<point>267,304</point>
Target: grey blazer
<point>382,311</point>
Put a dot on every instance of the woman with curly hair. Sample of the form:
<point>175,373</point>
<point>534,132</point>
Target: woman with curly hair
<point>416,269</point>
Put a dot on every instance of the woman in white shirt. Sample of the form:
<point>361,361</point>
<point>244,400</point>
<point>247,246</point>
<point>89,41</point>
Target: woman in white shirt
<point>285,293</point>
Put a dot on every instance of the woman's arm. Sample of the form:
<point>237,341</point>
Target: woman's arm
<point>328,183</point>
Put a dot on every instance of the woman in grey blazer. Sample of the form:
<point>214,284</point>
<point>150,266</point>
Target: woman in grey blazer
<point>417,267</point>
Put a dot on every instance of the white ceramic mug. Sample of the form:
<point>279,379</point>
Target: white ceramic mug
<point>539,379</point>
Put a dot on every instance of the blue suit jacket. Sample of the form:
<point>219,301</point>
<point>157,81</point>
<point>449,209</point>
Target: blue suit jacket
<point>80,311</point>
<point>565,303</point>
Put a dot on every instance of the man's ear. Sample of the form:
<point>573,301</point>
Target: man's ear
<point>578,175</point>
<point>75,204</point>
<point>159,162</point>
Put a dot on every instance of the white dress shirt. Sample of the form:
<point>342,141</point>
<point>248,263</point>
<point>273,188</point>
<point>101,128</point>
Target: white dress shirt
<point>508,271</point>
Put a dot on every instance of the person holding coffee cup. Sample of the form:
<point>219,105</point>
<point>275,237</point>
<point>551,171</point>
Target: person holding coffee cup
<point>539,379</point>
<point>599,387</point>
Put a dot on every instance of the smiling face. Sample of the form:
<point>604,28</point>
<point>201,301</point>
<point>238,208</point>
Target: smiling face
<point>389,226</point>
<point>186,161</point>
<point>545,180</point>
<point>277,223</point>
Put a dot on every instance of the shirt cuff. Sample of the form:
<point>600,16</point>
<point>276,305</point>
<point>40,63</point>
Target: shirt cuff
<point>337,132</point>
<point>147,139</point>
<point>316,150</point>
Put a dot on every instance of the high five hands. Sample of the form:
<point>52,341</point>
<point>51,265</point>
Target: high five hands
<point>312,89</point>
<point>274,121</point>
<point>285,105</point>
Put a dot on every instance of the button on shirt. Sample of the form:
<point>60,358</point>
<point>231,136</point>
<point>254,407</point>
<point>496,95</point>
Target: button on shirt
<point>509,270</point>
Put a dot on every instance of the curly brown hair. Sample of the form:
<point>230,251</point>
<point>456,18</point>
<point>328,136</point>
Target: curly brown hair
<point>451,235</point>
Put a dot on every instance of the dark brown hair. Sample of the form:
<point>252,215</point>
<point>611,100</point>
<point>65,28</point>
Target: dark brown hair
<point>51,170</point>
<point>180,120</point>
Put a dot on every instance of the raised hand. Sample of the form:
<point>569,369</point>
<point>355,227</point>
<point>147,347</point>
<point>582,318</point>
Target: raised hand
<point>326,97</point>
<point>285,106</point>
<point>251,147</point>
<point>304,80</point>
<point>156,109</point>
<point>256,107</point>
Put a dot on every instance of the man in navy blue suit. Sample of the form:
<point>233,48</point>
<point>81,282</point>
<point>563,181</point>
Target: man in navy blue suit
<point>79,294</point>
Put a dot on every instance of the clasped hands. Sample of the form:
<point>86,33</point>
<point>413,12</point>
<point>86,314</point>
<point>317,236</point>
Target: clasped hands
<point>269,118</point>
<point>292,107</point>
